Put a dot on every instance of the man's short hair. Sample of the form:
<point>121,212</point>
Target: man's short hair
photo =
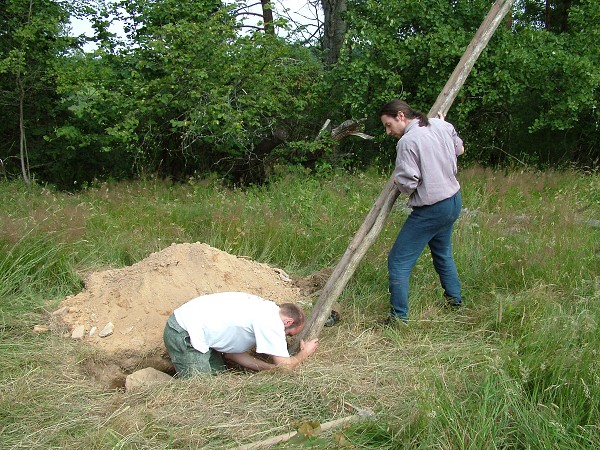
<point>294,312</point>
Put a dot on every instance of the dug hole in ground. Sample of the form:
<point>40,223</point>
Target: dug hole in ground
<point>122,312</point>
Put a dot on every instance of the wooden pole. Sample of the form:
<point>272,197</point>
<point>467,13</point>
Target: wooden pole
<point>375,220</point>
<point>287,436</point>
<point>476,46</point>
<point>361,415</point>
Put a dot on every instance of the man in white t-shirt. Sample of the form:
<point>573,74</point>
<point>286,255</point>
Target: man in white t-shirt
<point>227,325</point>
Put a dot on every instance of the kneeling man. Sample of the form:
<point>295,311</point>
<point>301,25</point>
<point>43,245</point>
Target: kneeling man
<point>203,331</point>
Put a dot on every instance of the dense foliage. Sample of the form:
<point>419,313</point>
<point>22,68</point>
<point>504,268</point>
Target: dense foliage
<point>32,39</point>
<point>190,90</point>
<point>533,94</point>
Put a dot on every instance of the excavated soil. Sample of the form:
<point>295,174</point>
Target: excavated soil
<point>137,300</point>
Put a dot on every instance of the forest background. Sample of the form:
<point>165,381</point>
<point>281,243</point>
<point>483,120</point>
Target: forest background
<point>190,88</point>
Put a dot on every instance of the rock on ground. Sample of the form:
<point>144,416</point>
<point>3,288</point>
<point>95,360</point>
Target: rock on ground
<point>145,378</point>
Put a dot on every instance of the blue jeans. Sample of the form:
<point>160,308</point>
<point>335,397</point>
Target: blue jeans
<point>427,225</point>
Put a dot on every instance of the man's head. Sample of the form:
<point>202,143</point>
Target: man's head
<point>292,317</point>
<point>396,115</point>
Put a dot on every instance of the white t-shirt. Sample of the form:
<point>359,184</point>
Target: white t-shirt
<point>233,322</point>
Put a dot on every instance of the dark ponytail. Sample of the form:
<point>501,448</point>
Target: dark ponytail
<point>395,106</point>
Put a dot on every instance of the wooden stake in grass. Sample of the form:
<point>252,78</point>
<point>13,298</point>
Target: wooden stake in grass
<point>320,428</point>
<point>375,220</point>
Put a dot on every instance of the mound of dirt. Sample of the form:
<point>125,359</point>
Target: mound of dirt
<point>137,300</point>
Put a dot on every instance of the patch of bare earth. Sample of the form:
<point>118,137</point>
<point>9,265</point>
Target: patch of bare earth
<point>137,300</point>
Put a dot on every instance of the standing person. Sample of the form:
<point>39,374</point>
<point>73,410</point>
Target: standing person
<point>203,332</point>
<point>426,166</point>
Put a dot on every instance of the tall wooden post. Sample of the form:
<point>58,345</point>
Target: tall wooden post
<point>375,220</point>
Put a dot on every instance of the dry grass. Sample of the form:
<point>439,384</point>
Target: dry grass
<point>517,367</point>
<point>390,371</point>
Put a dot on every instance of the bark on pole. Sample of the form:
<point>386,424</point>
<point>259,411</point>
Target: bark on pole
<point>375,220</point>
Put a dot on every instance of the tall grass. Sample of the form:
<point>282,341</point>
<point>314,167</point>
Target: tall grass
<point>516,368</point>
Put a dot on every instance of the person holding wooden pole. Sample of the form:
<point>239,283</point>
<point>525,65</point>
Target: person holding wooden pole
<point>373,223</point>
<point>426,168</point>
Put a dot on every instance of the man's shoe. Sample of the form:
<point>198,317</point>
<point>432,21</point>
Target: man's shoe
<point>333,318</point>
<point>392,321</point>
<point>452,303</point>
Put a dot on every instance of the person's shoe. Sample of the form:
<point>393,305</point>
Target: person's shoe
<point>392,321</point>
<point>454,306</point>
<point>333,318</point>
<point>452,303</point>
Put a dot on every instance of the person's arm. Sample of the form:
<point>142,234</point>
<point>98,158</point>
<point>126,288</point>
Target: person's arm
<point>248,361</point>
<point>286,363</point>
<point>290,363</point>
<point>462,149</point>
<point>407,174</point>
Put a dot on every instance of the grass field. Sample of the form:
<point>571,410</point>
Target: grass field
<point>518,367</point>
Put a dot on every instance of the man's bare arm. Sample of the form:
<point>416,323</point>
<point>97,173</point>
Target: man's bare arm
<point>280,362</point>
<point>248,361</point>
<point>306,349</point>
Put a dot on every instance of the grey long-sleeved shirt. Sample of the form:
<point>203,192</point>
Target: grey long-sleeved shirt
<point>426,163</point>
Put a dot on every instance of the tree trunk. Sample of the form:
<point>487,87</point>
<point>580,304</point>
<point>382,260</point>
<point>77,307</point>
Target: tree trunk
<point>334,29</point>
<point>375,220</point>
<point>564,15</point>
<point>267,9</point>
<point>22,139</point>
